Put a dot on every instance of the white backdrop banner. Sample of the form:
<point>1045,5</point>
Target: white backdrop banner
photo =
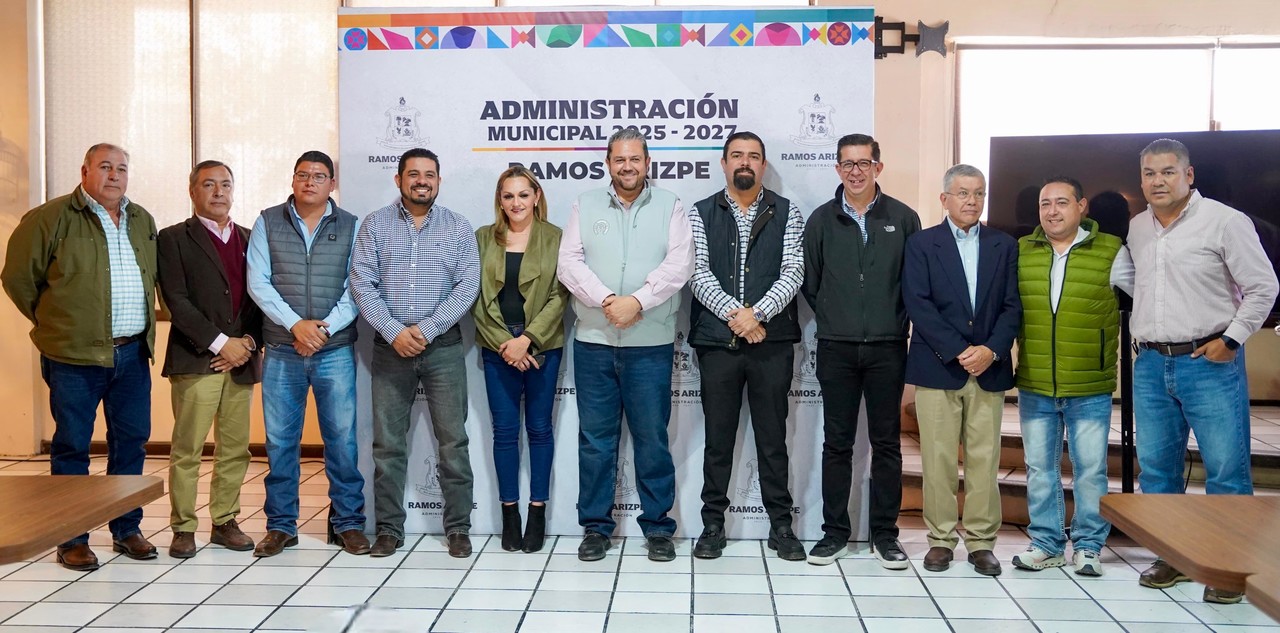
<point>486,89</point>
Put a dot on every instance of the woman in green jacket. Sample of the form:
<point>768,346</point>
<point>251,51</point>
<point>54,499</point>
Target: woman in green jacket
<point>519,326</point>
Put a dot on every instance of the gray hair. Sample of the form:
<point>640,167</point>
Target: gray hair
<point>105,146</point>
<point>961,171</point>
<point>1167,146</point>
<point>626,134</point>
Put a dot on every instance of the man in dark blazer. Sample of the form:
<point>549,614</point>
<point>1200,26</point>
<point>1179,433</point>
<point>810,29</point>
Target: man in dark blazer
<point>212,361</point>
<point>960,287</point>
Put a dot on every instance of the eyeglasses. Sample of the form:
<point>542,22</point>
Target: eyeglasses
<point>316,177</point>
<point>963,196</point>
<point>863,165</point>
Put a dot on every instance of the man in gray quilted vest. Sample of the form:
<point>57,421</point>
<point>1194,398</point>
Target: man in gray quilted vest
<point>299,253</point>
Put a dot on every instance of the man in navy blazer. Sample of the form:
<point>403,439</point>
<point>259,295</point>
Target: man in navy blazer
<point>960,287</point>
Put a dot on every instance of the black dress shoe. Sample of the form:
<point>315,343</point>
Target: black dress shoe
<point>784,542</point>
<point>77,557</point>
<point>135,546</point>
<point>937,559</point>
<point>661,548</point>
<point>273,543</point>
<point>985,562</point>
<point>593,546</point>
<point>889,553</point>
<point>386,545</point>
<point>459,544</point>
<point>710,543</point>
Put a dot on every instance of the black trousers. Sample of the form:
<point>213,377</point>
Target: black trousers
<point>765,370</point>
<point>848,372</point>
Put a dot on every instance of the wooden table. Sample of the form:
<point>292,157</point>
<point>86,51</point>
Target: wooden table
<point>42,511</point>
<point>1218,540</point>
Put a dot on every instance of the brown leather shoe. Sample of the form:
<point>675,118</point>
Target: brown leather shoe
<point>1161,575</point>
<point>385,546</point>
<point>77,557</point>
<point>354,541</point>
<point>937,559</point>
<point>136,547</point>
<point>231,537</point>
<point>1222,596</point>
<point>183,545</point>
<point>459,545</point>
<point>273,543</point>
<point>985,562</point>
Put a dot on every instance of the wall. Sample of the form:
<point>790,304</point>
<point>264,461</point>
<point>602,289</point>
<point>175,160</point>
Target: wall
<point>21,391</point>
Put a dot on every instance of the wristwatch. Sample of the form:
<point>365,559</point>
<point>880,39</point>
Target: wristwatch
<point>758,314</point>
<point>995,358</point>
<point>1231,343</point>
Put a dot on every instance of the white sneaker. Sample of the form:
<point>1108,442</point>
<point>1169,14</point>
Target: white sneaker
<point>1036,559</point>
<point>1087,563</point>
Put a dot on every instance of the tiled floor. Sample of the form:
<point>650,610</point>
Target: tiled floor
<point>314,587</point>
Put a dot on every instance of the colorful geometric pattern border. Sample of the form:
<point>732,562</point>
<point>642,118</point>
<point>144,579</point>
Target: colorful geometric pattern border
<point>604,29</point>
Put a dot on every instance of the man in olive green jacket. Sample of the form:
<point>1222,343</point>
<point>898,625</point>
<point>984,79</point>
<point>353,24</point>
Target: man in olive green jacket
<point>82,269</point>
<point>1066,374</point>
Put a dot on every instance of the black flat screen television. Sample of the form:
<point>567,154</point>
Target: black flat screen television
<point>1238,168</point>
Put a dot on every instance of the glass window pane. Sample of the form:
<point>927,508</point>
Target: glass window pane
<point>121,74</point>
<point>266,91</point>
<point>1025,92</point>
<point>1244,98</point>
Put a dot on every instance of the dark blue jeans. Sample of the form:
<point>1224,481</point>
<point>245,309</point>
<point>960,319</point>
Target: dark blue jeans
<point>125,393</point>
<point>612,381</point>
<point>505,385</point>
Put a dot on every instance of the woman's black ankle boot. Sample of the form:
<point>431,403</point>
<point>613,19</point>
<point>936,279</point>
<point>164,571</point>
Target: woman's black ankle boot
<point>511,527</point>
<point>535,532</point>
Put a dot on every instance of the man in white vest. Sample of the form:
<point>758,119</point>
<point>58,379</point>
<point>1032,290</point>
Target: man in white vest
<point>627,251</point>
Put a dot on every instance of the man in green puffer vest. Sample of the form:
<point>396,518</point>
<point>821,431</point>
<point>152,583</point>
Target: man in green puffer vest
<point>1066,374</point>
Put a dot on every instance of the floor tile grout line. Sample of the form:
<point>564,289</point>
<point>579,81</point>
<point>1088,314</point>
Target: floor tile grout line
<point>555,540</point>
<point>471,565</point>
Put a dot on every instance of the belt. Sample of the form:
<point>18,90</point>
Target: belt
<point>125,340</point>
<point>1179,349</point>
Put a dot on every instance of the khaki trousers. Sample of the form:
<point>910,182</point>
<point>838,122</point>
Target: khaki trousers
<point>197,401</point>
<point>948,419</point>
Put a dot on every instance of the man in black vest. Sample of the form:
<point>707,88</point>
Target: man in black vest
<point>299,253</point>
<point>853,254</point>
<point>747,271</point>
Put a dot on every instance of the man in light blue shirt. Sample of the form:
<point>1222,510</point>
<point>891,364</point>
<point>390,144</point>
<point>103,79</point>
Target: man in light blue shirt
<point>299,253</point>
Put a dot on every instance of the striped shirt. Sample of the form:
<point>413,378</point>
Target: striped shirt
<point>402,276</point>
<point>128,297</point>
<point>860,218</point>
<point>707,288</point>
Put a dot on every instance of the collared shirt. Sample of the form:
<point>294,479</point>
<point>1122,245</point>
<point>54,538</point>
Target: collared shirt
<point>1058,269</point>
<point>707,288</point>
<point>860,218</point>
<point>402,275</point>
<point>659,285</point>
<point>967,243</point>
<point>128,297</point>
<point>223,234</point>
<point>1204,273</point>
<point>258,265</point>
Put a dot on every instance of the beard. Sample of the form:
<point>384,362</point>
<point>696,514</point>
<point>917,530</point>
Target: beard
<point>744,179</point>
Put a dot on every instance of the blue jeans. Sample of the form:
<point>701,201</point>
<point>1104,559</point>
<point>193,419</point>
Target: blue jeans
<point>612,381</point>
<point>1176,394</point>
<point>125,393</point>
<point>331,375</point>
<point>504,385</point>
<point>1087,422</point>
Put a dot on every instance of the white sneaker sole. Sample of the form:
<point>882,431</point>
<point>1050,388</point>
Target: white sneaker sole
<point>890,564</point>
<point>1047,563</point>
<point>827,560</point>
<point>1089,570</point>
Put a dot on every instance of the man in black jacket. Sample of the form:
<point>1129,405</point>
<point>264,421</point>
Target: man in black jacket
<point>853,254</point>
<point>748,268</point>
